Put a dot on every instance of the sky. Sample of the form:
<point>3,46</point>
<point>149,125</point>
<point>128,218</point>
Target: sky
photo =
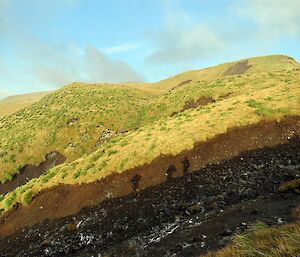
<point>48,44</point>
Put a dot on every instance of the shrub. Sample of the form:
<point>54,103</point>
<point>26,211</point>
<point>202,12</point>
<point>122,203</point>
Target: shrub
<point>8,176</point>
<point>48,176</point>
<point>112,152</point>
<point>63,174</point>
<point>260,109</point>
<point>124,142</point>
<point>114,140</point>
<point>163,128</point>
<point>102,165</point>
<point>77,174</point>
<point>284,111</point>
<point>123,163</point>
<point>152,146</point>
<point>27,197</point>
<point>9,201</point>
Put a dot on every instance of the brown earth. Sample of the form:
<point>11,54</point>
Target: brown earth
<point>202,101</point>
<point>181,84</point>
<point>199,102</point>
<point>65,200</point>
<point>239,68</point>
<point>29,172</point>
<point>183,217</point>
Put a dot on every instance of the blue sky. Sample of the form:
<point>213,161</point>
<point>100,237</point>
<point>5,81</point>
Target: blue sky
<point>48,44</point>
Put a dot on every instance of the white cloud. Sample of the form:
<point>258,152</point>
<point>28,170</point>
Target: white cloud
<point>120,48</point>
<point>32,64</point>
<point>183,39</point>
<point>100,68</point>
<point>45,66</point>
<point>274,18</point>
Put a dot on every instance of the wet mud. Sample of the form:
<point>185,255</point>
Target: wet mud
<point>185,216</point>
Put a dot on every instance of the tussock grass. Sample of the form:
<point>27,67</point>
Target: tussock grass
<point>289,185</point>
<point>265,241</point>
<point>119,127</point>
<point>13,104</point>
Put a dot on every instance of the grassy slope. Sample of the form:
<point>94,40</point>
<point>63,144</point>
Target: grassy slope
<point>73,119</point>
<point>262,240</point>
<point>13,104</point>
<point>258,64</point>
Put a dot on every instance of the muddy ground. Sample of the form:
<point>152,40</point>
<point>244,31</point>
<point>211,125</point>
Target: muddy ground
<point>185,216</point>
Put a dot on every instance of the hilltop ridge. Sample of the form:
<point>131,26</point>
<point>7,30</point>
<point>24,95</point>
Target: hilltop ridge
<point>270,63</point>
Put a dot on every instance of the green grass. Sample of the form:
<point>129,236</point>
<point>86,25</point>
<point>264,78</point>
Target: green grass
<point>27,197</point>
<point>13,104</point>
<point>265,241</point>
<point>8,201</point>
<point>265,111</point>
<point>6,177</point>
<point>116,127</point>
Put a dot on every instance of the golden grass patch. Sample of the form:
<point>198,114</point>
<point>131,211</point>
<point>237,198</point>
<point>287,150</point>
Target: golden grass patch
<point>138,118</point>
<point>263,240</point>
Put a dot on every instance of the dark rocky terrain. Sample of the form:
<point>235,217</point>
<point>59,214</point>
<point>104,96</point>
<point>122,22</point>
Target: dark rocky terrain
<point>178,167</point>
<point>185,216</point>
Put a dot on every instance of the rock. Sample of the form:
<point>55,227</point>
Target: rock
<point>191,209</point>
<point>71,227</point>
<point>226,232</point>
<point>46,242</point>
<point>213,205</point>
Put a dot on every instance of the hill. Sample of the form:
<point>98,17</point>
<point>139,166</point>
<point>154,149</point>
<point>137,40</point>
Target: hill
<point>78,118</point>
<point>13,104</point>
<point>114,140</point>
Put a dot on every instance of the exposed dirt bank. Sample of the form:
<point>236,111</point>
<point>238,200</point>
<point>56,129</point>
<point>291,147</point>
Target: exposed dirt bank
<point>29,172</point>
<point>183,83</point>
<point>186,216</point>
<point>239,68</point>
<point>66,200</point>
<point>202,101</point>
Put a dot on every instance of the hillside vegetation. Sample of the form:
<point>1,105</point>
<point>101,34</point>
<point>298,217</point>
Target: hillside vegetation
<point>263,240</point>
<point>102,129</point>
<point>13,104</point>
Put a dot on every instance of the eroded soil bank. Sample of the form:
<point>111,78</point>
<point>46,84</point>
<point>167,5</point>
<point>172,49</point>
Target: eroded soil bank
<point>29,172</point>
<point>202,101</point>
<point>239,68</point>
<point>65,200</point>
<point>185,216</point>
